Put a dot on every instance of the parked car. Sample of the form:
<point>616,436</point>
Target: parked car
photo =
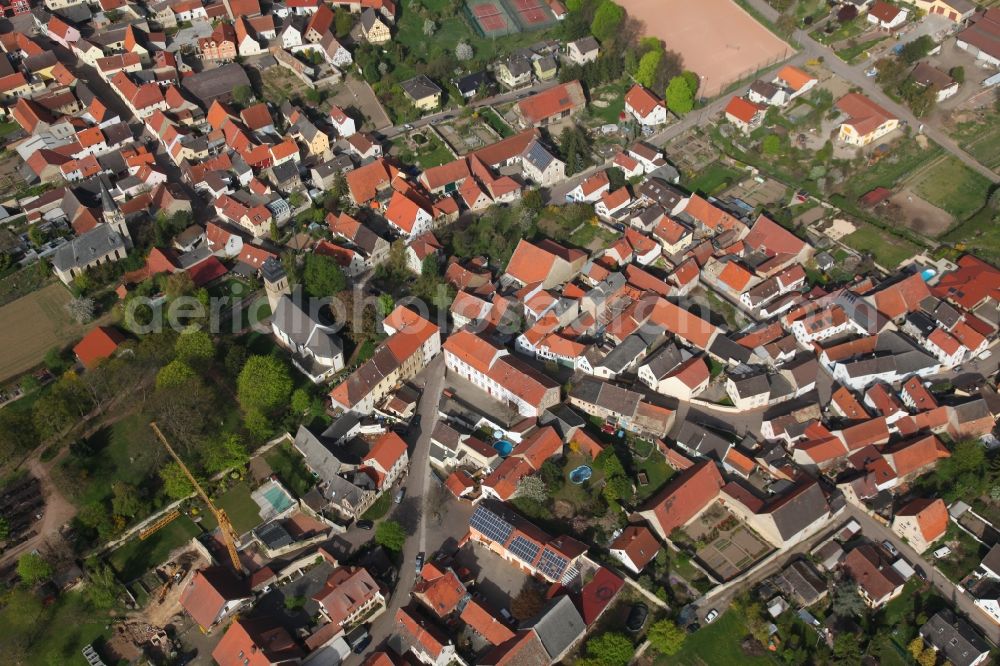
<point>507,617</point>
<point>365,524</point>
<point>921,574</point>
<point>712,614</point>
<point>943,551</point>
<point>636,617</point>
<point>891,548</point>
<point>420,562</point>
<point>399,495</point>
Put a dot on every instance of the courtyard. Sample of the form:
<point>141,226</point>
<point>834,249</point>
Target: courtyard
<point>725,546</point>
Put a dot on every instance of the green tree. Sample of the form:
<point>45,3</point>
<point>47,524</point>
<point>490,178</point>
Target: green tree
<point>322,276</point>
<point>17,433</point>
<point>611,649</point>
<point>692,80</point>
<point>342,23</point>
<point>666,637</point>
<point>4,529</point>
<point>645,74</point>
<point>301,401</point>
<point>917,49</point>
<point>194,347</point>
<point>533,200</point>
<point>32,568</point>
<point>916,647</point>
<point>175,483</point>
<point>957,74</point>
<point>242,94</point>
<point>125,499</point>
<point>175,374</point>
<point>846,649</point>
<point>680,98</point>
<point>222,453</point>
<point>390,535</point>
<point>607,21</point>
<point>102,588</point>
<point>264,384</point>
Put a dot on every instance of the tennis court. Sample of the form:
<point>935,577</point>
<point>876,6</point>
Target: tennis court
<point>531,14</point>
<point>491,18</point>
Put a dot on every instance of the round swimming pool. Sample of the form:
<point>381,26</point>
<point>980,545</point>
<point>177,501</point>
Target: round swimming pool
<point>580,474</point>
<point>503,447</point>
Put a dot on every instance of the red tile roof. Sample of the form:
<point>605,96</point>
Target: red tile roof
<point>209,591</point>
<point>902,297</point>
<point>99,344</point>
<point>539,107</point>
<point>931,515</point>
<point>742,109</point>
<point>638,543</point>
<point>642,100</point>
<point>872,572</point>
<point>863,114</point>
<point>684,497</point>
<point>598,594</point>
<point>256,642</point>
<point>909,456</point>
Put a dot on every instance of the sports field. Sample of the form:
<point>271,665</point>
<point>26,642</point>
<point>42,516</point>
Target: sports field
<point>35,324</point>
<point>718,40</point>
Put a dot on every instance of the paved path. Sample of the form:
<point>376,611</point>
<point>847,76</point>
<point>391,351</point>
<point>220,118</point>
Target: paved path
<point>855,74</point>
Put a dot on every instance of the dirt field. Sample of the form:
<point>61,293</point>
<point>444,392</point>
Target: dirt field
<point>40,322</point>
<point>921,216</point>
<point>717,38</point>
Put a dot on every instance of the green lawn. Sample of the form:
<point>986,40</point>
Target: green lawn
<point>379,508</point>
<point>290,468</point>
<point>907,158</point>
<point>616,103</point>
<point>433,153</point>
<point>851,53</point>
<point>240,508</point>
<point>658,471</point>
<point>716,644</point>
<point>889,250</point>
<point>965,556</point>
<point>138,556</point>
<point>954,187</point>
<point>979,234</point>
<point>714,178</point>
<point>63,629</point>
<point>497,123</point>
<point>843,31</point>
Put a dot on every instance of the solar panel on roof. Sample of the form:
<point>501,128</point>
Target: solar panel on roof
<point>491,525</point>
<point>552,564</point>
<point>523,549</point>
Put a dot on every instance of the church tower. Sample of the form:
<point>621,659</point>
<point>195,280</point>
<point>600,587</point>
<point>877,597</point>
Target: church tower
<point>275,282</point>
<point>113,215</point>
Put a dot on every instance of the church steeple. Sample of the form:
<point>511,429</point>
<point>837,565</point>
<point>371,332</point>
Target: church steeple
<point>113,215</point>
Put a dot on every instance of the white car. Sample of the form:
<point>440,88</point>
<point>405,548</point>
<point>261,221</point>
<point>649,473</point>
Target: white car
<point>712,614</point>
<point>943,551</point>
<point>985,355</point>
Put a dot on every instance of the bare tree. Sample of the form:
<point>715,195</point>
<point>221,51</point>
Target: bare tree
<point>81,309</point>
<point>532,487</point>
<point>463,51</point>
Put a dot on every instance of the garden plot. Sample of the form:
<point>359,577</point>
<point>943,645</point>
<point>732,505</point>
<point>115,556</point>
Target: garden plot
<point>727,547</point>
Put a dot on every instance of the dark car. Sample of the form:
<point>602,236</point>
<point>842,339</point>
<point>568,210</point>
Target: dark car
<point>921,574</point>
<point>362,644</point>
<point>365,524</point>
<point>420,562</point>
<point>636,617</point>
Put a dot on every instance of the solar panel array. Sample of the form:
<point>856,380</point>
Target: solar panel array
<point>491,525</point>
<point>552,564</point>
<point>523,549</point>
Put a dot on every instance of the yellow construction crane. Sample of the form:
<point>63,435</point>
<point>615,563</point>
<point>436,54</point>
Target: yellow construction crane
<point>164,520</point>
<point>228,533</point>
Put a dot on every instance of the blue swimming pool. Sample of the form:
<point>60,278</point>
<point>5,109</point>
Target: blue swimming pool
<point>580,474</point>
<point>503,447</point>
<point>278,499</point>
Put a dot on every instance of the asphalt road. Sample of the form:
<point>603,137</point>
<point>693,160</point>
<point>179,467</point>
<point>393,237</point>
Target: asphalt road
<point>417,482</point>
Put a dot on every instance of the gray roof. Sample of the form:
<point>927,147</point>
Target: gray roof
<point>420,87</point>
<point>751,385</point>
<point>959,642</point>
<point>664,360</point>
<point>369,18</point>
<point>88,247</point>
<point>446,436</point>
<point>318,455</point>
<point>273,535</point>
<point>728,350</point>
<point>216,83</point>
<point>625,354</point>
<point>765,89</point>
<point>798,509</point>
<point>615,399</point>
<point>302,329</point>
<point>586,44</point>
<point>518,66</point>
<point>702,441</point>
<point>558,626</point>
<point>801,581</point>
<point>539,157</point>
<point>661,192</point>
